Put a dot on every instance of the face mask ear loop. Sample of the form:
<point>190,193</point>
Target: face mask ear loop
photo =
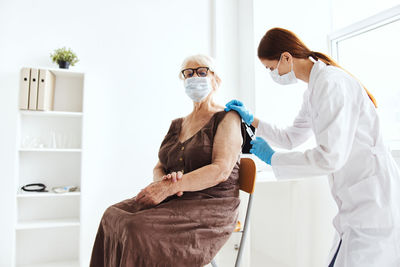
<point>291,69</point>
<point>279,62</point>
<point>291,66</point>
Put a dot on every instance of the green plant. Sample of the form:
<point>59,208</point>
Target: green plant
<point>64,54</point>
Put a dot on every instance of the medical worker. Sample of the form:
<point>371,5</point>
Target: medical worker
<point>341,115</point>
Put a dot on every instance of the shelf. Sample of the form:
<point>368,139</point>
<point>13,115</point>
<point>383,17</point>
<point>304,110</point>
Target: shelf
<point>50,194</point>
<point>54,264</point>
<point>42,224</point>
<point>75,150</point>
<point>67,73</point>
<point>47,247</point>
<point>47,224</point>
<point>62,72</point>
<point>50,113</point>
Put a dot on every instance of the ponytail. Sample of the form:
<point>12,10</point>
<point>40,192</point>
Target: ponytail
<point>324,58</point>
<point>277,41</point>
<point>329,61</point>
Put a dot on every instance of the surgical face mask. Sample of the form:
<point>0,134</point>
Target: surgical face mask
<point>197,88</point>
<point>284,79</point>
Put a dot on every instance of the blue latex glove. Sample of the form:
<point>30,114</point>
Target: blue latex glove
<point>261,149</point>
<point>241,109</point>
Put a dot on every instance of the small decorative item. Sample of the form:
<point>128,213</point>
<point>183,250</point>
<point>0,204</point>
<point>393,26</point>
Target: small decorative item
<point>65,189</point>
<point>32,142</point>
<point>64,57</point>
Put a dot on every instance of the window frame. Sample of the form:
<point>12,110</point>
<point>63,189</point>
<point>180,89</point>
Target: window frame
<point>379,20</point>
<point>371,23</point>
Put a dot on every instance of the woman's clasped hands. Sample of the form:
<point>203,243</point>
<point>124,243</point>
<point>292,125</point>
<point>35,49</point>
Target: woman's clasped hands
<point>156,192</point>
<point>174,177</point>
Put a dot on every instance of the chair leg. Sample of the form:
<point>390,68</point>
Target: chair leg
<point>213,263</point>
<point>244,235</point>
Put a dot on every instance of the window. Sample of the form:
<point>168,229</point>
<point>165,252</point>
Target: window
<point>370,51</point>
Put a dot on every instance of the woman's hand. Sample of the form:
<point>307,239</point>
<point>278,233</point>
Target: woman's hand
<point>155,193</point>
<point>262,150</point>
<point>174,177</point>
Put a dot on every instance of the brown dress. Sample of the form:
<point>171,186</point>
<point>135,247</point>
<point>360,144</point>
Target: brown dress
<point>182,231</point>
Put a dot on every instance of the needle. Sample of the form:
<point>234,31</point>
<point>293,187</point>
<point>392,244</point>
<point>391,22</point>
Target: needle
<point>249,131</point>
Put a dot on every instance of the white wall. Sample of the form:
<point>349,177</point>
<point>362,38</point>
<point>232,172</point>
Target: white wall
<point>247,55</point>
<point>226,47</point>
<point>131,52</point>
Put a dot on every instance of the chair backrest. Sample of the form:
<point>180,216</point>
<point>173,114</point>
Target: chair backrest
<point>247,175</point>
<point>247,181</point>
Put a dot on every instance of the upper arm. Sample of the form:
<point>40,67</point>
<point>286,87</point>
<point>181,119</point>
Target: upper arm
<point>301,130</point>
<point>159,166</point>
<point>292,136</point>
<point>227,143</point>
<point>158,171</point>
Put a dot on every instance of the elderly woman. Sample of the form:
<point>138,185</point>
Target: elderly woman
<point>186,215</point>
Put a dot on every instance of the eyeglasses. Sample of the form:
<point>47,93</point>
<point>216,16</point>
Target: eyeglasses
<point>200,71</point>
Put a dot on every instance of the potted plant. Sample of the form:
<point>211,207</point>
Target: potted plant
<point>64,57</point>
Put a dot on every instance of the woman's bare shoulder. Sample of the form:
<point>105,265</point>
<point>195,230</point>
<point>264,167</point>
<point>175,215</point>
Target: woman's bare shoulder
<point>232,117</point>
<point>230,123</point>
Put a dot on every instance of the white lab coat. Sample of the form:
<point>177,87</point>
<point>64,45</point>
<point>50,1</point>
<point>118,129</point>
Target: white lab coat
<point>364,179</point>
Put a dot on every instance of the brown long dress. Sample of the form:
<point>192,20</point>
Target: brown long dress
<point>182,231</point>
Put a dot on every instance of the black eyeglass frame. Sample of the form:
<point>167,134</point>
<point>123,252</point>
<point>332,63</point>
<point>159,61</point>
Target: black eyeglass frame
<point>195,71</point>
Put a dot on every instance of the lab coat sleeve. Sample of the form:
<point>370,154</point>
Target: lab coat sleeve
<point>291,136</point>
<point>335,118</point>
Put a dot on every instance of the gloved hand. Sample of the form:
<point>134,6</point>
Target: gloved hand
<point>261,149</point>
<point>241,109</point>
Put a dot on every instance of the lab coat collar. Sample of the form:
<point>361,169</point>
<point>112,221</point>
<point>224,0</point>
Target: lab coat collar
<point>315,71</point>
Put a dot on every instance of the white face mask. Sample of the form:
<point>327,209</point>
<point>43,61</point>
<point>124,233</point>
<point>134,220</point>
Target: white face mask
<point>198,88</point>
<point>288,78</point>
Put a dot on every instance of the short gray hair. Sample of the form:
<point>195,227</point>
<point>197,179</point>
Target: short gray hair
<point>203,60</point>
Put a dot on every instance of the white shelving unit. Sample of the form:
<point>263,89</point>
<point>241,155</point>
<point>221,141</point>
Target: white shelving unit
<point>56,264</point>
<point>49,150</point>
<point>47,226</point>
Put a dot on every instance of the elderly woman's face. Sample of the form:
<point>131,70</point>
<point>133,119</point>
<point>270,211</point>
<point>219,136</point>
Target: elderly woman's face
<point>194,69</point>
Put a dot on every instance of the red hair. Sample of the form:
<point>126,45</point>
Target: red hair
<point>277,41</point>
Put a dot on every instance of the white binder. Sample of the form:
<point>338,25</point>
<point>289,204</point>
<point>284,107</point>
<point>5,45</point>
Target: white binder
<point>25,77</point>
<point>33,89</point>
<point>45,97</point>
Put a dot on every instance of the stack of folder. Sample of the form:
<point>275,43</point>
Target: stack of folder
<point>36,89</point>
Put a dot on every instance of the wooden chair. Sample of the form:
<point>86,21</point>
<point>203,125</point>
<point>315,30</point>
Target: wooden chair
<point>247,181</point>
